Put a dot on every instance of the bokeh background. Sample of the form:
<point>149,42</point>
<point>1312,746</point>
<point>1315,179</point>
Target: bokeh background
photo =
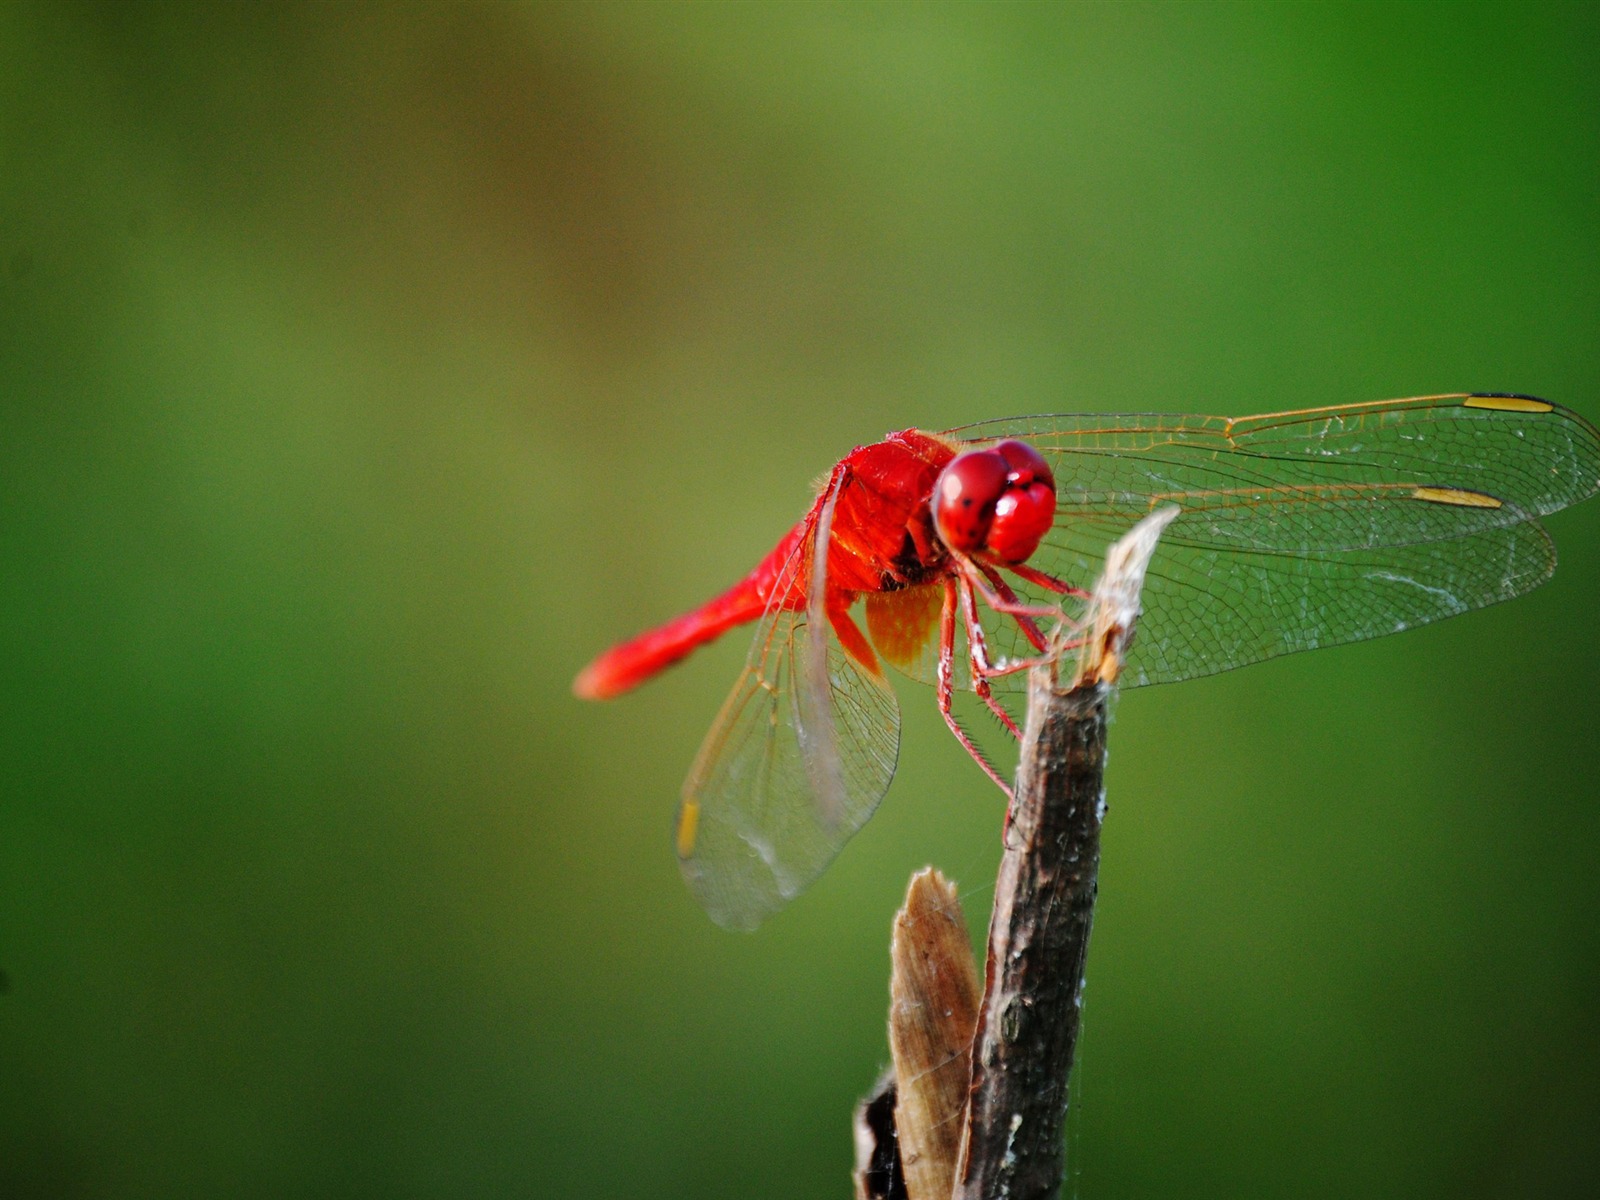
<point>366,368</point>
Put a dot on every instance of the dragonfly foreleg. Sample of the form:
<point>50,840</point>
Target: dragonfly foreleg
<point>1020,613</point>
<point>1006,602</point>
<point>946,686</point>
<point>1048,582</point>
<point>978,654</point>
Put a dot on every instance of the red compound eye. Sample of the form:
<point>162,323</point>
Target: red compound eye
<point>965,496</point>
<point>1021,519</point>
<point>1026,465</point>
<point>1001,500</point>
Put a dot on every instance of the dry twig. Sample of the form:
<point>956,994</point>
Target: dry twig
<point>1012,1143</point>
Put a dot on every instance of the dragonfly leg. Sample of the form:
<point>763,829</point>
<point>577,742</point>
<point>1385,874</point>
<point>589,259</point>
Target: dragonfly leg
<point>1002,599</point>
<point>1014,605</point>
<point>1049,582</point>
<point>922,542</point>
<point>1005,601</point>
<point>978,654</point>
<point>1018,612</point>
<point>946,685</point>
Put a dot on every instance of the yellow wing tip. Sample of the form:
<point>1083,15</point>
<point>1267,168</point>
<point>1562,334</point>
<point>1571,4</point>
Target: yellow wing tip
<point>1457,496</point>
<point>688,827</point>
<point>1521,404</point>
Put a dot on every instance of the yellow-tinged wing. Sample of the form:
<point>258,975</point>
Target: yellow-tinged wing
<point>1310,528</point>
<point>793,765</point>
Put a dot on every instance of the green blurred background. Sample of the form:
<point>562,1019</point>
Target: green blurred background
<point>367,368</point>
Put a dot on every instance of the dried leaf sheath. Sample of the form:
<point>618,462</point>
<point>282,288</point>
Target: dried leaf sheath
<point>933,1009</point>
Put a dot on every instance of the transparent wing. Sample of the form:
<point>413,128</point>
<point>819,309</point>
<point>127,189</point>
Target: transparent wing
<point>1208,609</point>
<point>1309,528</point>
<point>759,820</point>
<point>1534,456</point>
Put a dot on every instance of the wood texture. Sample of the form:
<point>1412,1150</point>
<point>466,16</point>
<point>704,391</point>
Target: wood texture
<point>1038,940</point>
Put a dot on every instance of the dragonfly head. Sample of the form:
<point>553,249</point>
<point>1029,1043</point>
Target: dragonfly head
<point>1001,500</point>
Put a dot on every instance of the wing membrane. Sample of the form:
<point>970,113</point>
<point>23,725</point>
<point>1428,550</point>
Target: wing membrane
<point>759,820</point>
<point>1533,456</point>
<point>1210,609</point>
<point>1309,528</point>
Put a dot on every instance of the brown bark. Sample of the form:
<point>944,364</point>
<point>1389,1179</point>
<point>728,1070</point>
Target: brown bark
<point>1038,941</point>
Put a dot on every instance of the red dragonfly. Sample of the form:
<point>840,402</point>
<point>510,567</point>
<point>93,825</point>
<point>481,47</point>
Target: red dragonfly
<point>1296,530</point>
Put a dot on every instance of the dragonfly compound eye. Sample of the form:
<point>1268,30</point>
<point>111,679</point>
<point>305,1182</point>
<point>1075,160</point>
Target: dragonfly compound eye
<point>965,496</point>
<point>1026,465</point>
<point>1027,509</point>
<point>1002,500</point>
<point>1022,516</point>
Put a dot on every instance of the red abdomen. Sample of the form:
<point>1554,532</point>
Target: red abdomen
<point>882,538</point>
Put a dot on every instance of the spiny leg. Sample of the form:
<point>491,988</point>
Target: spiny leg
<point>978,656</point>
<point>945,676</point>
<point>1010,605</point>
<point>1048,582</point>
<point>1001,598</point>
<point>1007,603</point>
